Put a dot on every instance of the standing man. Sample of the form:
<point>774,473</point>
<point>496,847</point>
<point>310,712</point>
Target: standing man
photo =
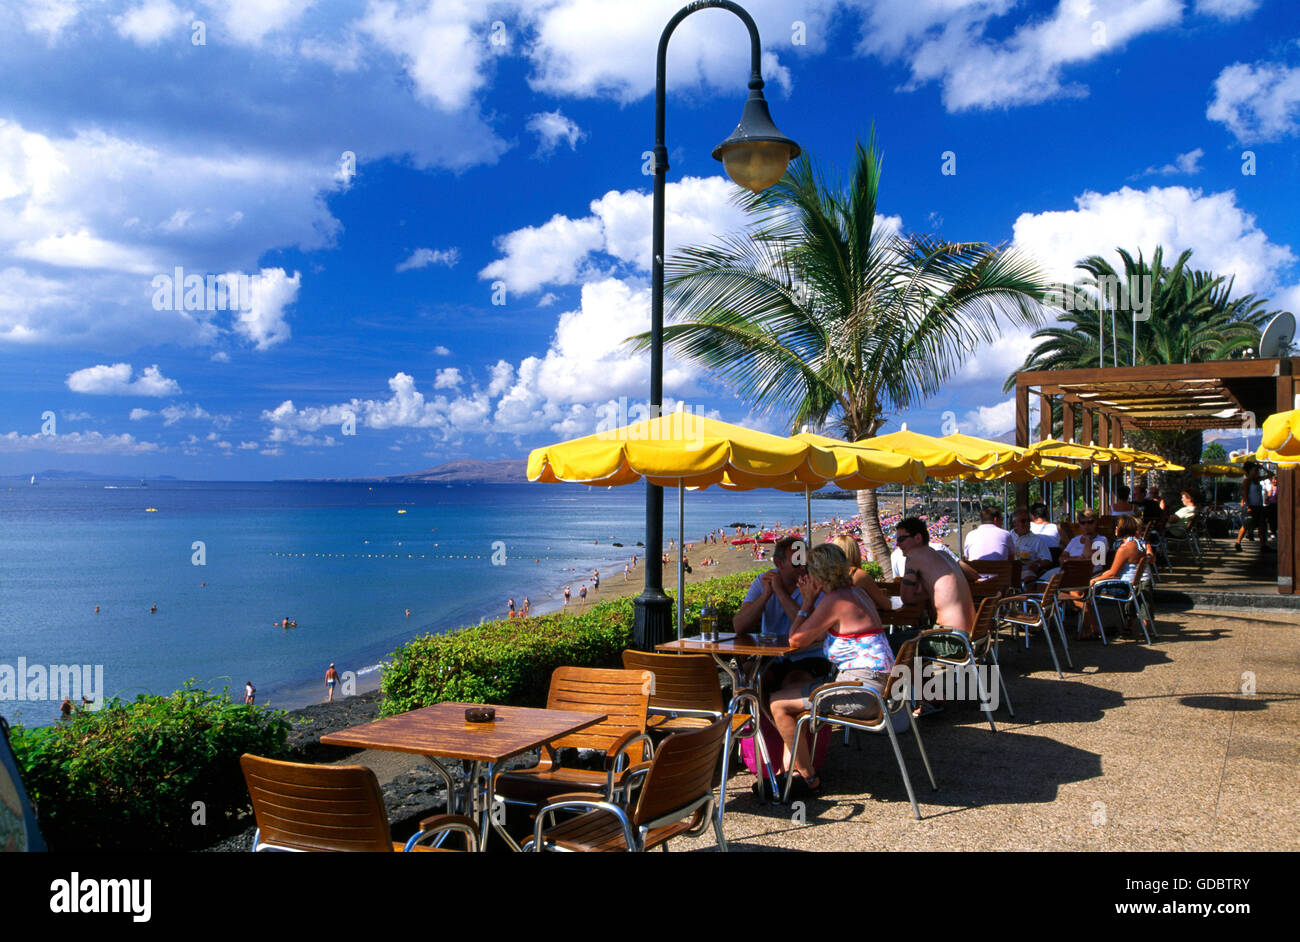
<point>582,594</point>
<point>595,578</point>
<point>331,681</point>
<point>250,693</point>
<point>566,596</point>
<point>989,541</point>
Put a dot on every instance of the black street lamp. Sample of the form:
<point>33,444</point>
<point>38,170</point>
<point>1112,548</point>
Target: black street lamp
<point>755,156</point>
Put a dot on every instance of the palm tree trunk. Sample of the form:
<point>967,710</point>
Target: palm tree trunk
<point>873,538</point>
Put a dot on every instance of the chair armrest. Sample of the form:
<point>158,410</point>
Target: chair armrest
<point>579,801</point>
<point>438,823</point>
<point>614,754</point>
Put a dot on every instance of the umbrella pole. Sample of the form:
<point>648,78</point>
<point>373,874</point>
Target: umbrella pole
<point>904,511</point>
<point>807,500</point>
<point>959,543</point>
<point>1005,511</point>
<point>681,555</point>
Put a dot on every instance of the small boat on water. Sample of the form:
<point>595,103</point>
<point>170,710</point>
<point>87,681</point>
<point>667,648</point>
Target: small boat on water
<point>33,480</point>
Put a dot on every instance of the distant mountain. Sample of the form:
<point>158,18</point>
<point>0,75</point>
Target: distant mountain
<point>53,474</point>
<point>468,471</point>
<point>464,471</point>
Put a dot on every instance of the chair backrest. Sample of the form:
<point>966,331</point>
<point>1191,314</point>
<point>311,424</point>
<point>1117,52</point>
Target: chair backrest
<point>983,619</point>
<point>682,681</point>
<point>1076,573</point>
<point>681,772</point>
<point>623,696</point>
<point>1001,569</point>
<point>1049,593</point>
<point>904,677</point>
<point>317,807</point>
<point>1067,530</point>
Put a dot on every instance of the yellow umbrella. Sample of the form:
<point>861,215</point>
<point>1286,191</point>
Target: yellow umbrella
<point>1281,435</point>
<point>1074,451</point>
<point>681,449</point>
<point>942,457</point>
<point>1215,470</point>
<point>858,467</point>
<point>684,449</point>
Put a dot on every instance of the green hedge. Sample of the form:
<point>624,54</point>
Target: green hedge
<point>509,662</point>
<point>126,777</point>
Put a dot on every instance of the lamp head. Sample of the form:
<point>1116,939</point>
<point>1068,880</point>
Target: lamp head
<point>756,154</point>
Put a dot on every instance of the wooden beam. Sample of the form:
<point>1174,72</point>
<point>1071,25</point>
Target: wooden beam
<point>1288,506</point>
<point>1022,437</point>
<point>1217,369</point>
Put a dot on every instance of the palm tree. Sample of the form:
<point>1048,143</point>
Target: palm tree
<point>1192,318</point>
<point>823,314</point>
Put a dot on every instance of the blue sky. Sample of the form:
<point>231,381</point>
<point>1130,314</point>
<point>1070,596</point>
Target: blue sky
<point>373,173</point>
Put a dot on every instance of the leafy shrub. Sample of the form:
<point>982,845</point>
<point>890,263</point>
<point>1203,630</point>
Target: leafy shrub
<point>125,777</point>
<point>873,569</point>
<point>509,662</point>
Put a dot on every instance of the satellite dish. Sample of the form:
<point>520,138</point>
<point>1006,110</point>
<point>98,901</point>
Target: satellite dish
<point>1276,339</point>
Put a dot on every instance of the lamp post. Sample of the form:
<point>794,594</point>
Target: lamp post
<point>755,156</point>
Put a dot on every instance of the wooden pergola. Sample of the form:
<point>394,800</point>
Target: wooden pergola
<point>1099,405</point>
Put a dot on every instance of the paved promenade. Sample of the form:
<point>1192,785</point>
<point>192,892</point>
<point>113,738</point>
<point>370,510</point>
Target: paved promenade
<point>1139,748</point>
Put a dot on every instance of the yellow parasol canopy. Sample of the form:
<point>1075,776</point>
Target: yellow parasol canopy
<point>1215,470</point>
<point>942,458</point>
<point>1074,451</point>
<point>858,467</point>
<point>1282,435</point>
<point>681,448</point>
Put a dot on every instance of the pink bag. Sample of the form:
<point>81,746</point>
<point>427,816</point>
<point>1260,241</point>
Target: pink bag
<point>776,746</point>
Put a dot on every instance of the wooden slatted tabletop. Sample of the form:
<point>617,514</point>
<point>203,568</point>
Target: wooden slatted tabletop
<point>441,730</point>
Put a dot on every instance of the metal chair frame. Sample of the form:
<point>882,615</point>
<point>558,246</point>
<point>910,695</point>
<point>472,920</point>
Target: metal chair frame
<point>1045,606</point>
<point>1133,595</point>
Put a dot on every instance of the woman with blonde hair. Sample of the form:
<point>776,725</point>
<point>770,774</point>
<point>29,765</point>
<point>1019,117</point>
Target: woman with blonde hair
<point>853,640</point>
<point>861,578</point>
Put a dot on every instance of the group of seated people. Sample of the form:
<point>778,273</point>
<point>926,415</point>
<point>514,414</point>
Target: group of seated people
<point>830,607</point>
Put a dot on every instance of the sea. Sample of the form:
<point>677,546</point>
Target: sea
<point>193,580</point>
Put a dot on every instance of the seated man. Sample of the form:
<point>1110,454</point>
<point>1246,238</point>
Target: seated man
<point>989,541</point>
<point>772,603</point>
<point>1032,550</point>
<point>1121,505</point>
<point>1044,527</point>
<point>933,579</point>
<point>1087,545</point>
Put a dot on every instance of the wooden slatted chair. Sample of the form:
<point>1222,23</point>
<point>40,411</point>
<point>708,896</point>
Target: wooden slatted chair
<point>624,697</point>
<point>302,807</point>
<point>1005,575</point>
<point>981,648</point>
<point>1076,579</point>
<point>688,695</point>
<point>897,697</point>
<point>1035,611</point>
<point>675,799</point>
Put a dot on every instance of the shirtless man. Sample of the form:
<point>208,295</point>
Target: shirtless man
<point>931,578</point>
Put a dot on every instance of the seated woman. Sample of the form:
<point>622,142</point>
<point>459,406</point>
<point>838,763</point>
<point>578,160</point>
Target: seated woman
<point>861,578</point>
<point>1128,555</point>
<point>1184,515</point>
<point>853,641</point>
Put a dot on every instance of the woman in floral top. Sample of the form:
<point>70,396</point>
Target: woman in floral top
<point>853,640</point>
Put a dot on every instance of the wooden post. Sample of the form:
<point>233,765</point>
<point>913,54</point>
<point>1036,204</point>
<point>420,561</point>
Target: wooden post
<point>1022,438</point>
<point>1288,507</point>
<point>1044,433</point>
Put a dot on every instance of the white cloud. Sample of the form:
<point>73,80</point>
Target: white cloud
<point>553,128</point>
<point>263,322</point>
<point>247,446</point>
<point>1227,9</point>
<point>116,380</point>
<point>422,258</point>
<point>77,443</point>
<point>138,414</point>
<point>447,379</point>
<point>147,23</point>
<point>251,21</point>
<point>441,351</point>
<point>1257,103</point>
<point>562,251</point>
<point>76,416</point>
<point>443,47</point>
<point>1189,164</point>
<point>950,42</point>
<point>173,414</point>
<point>582,49</point>
<point>1223,237</point>
<point>221,356</point>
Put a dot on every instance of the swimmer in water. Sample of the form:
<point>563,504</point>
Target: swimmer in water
<point>153,609</point>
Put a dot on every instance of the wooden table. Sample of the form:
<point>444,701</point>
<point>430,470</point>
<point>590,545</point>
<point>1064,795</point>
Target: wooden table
<point>441,730</point>
<point>756,647</point>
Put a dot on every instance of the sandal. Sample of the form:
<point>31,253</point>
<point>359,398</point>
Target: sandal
<point>927,709</point>
<point>801,787</point>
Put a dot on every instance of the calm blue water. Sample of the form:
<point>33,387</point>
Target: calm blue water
<point>338,558</point>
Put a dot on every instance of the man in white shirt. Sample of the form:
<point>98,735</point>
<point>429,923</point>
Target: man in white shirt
<point>1088,545</point>
<point>1032,550</point>
<point>989,541</point>
<point>1040,525</point>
